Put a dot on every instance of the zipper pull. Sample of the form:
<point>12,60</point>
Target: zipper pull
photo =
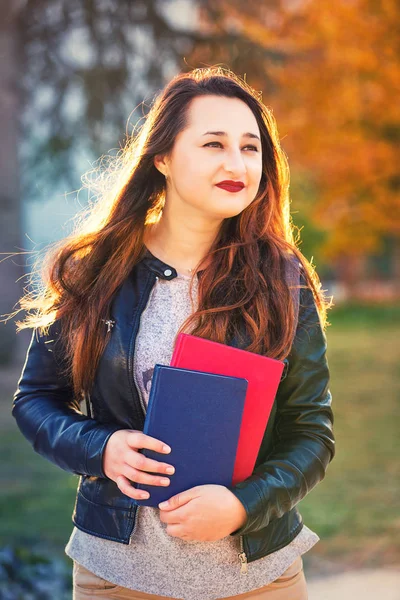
<point>243,560</point>
<point>110,324</point>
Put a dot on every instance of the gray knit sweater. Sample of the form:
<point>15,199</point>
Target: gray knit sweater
<point>154,562</point>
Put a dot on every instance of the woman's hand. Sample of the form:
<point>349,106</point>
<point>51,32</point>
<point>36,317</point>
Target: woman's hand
<point>123,463</point>
<point>205,513</point>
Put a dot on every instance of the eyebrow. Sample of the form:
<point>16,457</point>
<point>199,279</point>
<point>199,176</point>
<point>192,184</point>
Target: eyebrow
<point>223,133</point>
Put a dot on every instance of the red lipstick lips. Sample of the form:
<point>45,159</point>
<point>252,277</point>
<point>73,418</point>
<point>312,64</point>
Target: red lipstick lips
<point>231,186</point>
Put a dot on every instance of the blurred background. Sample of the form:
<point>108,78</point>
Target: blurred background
<point>75,78</point>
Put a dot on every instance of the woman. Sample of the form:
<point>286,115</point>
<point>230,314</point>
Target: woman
<point>191,232</point>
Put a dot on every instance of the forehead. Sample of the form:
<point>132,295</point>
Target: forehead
<point>211,113</point>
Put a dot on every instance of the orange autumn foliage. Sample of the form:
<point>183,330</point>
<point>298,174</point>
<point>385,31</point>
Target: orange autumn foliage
<point>332,77</point>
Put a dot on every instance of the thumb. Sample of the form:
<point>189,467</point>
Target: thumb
<point>177,500</point>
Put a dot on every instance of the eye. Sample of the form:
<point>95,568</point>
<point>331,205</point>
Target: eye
<point>249,146</point>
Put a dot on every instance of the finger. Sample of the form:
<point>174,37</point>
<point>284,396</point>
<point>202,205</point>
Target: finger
<point>142,463</point>
<point>175,530</point>
<point>142,477</point>
<point>176,501</point>
<point>170,517</point>
<point>138,439</point>
<point>126,488</point>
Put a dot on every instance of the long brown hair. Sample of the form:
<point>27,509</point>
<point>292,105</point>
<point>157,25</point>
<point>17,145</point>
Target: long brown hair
<point>244,283</point>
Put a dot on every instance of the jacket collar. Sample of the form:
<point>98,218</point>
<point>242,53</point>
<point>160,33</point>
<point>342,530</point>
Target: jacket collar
<point>160,268</point>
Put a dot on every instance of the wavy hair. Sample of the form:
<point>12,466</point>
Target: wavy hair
<point>243,291</point>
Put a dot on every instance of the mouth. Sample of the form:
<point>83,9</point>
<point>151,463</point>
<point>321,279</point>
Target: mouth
<point>231,186</point>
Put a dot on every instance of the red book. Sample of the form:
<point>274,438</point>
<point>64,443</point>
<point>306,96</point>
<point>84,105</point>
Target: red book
<point>263,375</point>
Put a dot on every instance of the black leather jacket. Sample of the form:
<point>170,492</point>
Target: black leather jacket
<point>297,447</point>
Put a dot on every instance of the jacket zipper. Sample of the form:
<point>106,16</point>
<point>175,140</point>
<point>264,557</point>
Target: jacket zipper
<point>140,399</point>
<point>134,351</point>
<point>88,400</point>
<point>90,406</point>
<point>135,525</point>
<point>242,557</point>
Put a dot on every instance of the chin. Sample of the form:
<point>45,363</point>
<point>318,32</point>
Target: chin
<point>220,211</point>
<point>232,214</point>
<point>232,211</point>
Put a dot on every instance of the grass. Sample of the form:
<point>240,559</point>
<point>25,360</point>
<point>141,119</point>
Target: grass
<point>36,498</point>
<point>355,510</point>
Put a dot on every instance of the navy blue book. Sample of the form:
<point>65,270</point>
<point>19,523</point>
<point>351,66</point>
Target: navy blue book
<point>198,415</point>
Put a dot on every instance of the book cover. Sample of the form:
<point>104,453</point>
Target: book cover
<point>198,414</point>
<point>263,375</point>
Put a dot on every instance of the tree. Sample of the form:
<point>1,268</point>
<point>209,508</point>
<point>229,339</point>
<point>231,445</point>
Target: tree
<point>72,71</point>
<point>76,69</point>
<point>10,205</point>
<point>332,74</point>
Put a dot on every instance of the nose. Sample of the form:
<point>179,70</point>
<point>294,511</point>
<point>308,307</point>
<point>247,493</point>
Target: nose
<point>234,163</point>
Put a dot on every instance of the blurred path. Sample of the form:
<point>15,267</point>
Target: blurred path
<point>365,584</point>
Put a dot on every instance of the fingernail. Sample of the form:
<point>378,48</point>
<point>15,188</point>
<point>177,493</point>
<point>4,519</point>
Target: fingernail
<point>163,504</point>
<point>166,449</point>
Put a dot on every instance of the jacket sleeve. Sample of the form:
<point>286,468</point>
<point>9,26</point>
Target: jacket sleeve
<point>49,416</point>
<point>303,431</point>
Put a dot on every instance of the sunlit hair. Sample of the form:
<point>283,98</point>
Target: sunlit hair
<point>244,283</point>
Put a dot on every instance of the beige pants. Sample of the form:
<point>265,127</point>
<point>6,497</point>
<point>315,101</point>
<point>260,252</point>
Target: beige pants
<point>291,585</point>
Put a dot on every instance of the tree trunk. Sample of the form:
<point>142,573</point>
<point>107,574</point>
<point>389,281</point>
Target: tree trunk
<point>11,269</point>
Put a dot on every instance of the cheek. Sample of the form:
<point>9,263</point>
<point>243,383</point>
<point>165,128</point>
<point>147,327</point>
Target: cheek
<point>256,171</point>
<point>193,175</point>
<point>254,176</point>
<point>191,163</point>
<point>257,174</point>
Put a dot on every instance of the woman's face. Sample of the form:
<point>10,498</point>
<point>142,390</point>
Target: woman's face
<point>200,160</point>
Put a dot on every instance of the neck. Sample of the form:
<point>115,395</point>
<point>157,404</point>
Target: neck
<point>180,241</point>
